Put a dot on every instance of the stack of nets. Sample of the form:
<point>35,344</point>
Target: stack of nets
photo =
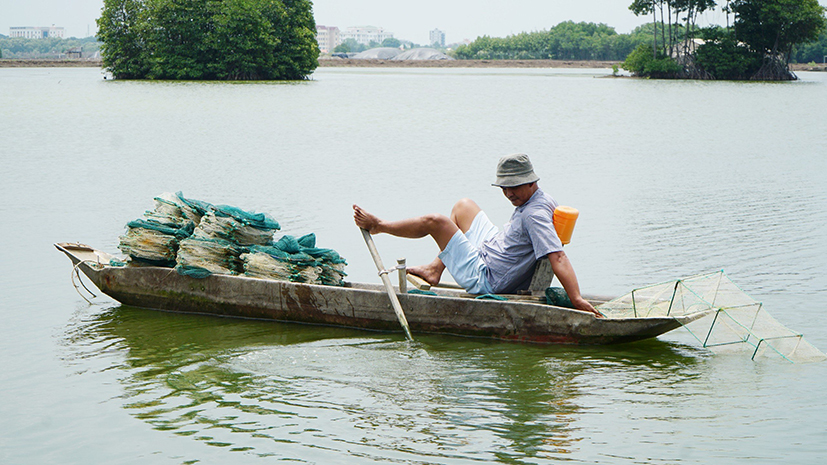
<point>237,226</point>
<point>201,257</point>
<point>296,260</point>
<point>174,209</point>
<point>724,317</point>
<point>200,239</point>
<point>218,241</point>
<point>155,238</point>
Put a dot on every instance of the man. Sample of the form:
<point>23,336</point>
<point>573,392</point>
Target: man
<point>482,259</point>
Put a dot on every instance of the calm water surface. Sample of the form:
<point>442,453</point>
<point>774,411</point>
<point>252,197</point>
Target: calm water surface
<point>671,178</point>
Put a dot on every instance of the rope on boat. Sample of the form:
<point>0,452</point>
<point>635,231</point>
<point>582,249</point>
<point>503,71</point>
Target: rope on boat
<point>74,273</point>
<point>391,270</point>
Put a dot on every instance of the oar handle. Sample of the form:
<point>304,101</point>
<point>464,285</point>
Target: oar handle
<point>386,280</point>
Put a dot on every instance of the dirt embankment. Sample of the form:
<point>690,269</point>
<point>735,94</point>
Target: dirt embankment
<point>806,67</point>
<point>343,63</point>
<point>351,63</point>
<point>339,62</point>
<point>5,63</point>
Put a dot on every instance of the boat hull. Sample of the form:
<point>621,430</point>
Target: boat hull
<point>358,306</point>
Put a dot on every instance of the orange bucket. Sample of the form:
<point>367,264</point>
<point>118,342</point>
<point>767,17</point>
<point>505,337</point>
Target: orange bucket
<point>564,219</point>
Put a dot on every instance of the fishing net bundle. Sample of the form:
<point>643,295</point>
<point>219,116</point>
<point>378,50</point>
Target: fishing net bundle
<point>260,264</point>
<point>220,238</point>
<point>152,242</point>
<point>154,239</point>
<point>728,319</point>
<point>200,257</point>
<point>230,228</point>
<point>296,260</point>
<point>200,239</point>
<point>330,264</point>
<point>175,209</point>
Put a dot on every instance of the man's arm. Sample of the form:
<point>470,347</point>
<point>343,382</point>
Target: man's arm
<point>565,273</point>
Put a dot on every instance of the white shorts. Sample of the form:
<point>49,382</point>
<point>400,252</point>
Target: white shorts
<point>462,255</point>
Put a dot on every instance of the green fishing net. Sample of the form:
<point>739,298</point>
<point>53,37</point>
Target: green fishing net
<point>175,210</point>
<point>200,239</point>
<point>152,242</point>
<point>727,318</point>
<point>256,220</point>
<point>558,297</point>
<point>196,256</point>
<point>297,260</point>
<point>149,246</point>
<point>214,225</point>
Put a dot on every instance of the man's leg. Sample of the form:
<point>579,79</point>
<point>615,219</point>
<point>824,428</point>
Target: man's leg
<point>439,227</point>
<point>463,214</point>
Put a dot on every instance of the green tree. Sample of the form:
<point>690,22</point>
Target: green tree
<point>240,37</point>
<point>723,57</point>
<point>812,51</point>
<point>644,61</point>
<point>391,42</point>
<point>668,33</point>
<point>208,39</point>
<point>565,41</point>
<point>124,48</point>
<point>297,53</point>
<point>177,32</point>
<point>773,27</point>
<point>350,46</point>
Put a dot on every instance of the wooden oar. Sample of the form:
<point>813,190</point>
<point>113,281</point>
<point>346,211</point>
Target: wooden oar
<point>397,307</point>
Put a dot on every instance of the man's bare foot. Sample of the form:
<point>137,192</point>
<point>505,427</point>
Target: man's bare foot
<point>431,273</point>
<point>365,220</point>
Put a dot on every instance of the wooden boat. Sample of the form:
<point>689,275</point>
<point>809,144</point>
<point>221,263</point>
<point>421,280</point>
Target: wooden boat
<point>356,305</point>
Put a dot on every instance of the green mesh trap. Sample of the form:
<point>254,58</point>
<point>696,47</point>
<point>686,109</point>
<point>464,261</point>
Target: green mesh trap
<point>731,321</point>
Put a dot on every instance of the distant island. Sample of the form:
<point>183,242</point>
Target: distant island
<point>760,41</point>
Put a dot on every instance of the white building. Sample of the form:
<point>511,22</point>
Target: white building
<point>36,32</point>
<point>327,37</point>
<point>366,34</point>
<point>437,37</point>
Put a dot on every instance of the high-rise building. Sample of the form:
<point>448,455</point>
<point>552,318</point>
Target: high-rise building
<point>327,37</point>
<point>366,34</point>
<point>437,38</point>
<point>36,32</point>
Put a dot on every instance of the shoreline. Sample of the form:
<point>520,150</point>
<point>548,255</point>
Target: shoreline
<point>351,63</point>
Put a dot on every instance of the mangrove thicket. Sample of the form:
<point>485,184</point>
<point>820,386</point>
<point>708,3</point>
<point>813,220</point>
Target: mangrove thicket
<point>208,39</point>
<point>758,42</point>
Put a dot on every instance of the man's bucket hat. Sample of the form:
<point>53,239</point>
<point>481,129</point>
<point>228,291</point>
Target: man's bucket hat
<point>515,170</point>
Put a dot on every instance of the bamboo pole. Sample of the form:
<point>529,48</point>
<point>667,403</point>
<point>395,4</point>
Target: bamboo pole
<point>397,307</point>
<point>402,266</point>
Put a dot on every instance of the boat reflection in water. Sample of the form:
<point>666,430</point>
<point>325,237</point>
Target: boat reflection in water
<point>323,393</point>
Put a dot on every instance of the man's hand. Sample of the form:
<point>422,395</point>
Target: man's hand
<point>565,273</point>
<point>582,304</point>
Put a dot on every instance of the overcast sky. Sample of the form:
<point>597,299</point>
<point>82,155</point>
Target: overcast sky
<point>459,19</point>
